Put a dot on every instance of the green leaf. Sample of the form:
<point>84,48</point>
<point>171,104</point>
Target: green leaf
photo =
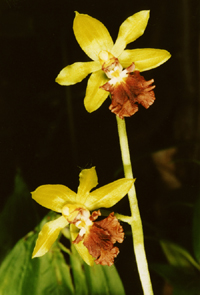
<point>95,280</point>
<point>103,280</point>
<point>113,280</point>
<point>182,283</point>
<point>178,256</point>
<point>76,263</point>
<point>62,271</point>
<point>196,230</point>
<point>19,274</point>
<point>17,217</point>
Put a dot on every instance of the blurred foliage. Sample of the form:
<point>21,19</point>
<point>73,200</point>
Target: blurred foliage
<point>183,268</point>
<point>50,274</point>
<point>17,217</point>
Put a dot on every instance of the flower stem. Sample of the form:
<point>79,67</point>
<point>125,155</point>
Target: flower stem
<point>136,223</point>
<point>64,249</point>
<point>124,218</point>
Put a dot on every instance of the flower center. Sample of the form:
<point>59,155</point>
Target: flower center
<point>78,215</point>
<point>111,65</point>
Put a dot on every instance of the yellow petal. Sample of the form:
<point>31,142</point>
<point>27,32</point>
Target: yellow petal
<point>53,196</point>
<point>108,195</point>
<point>144,59</point>
<point>88,180</point>
<point>76,72</point>
<point>48,236</point>
<point>82,250</point>
<point>91,35</point>
<point>131,29</point>
<point>95,96</point>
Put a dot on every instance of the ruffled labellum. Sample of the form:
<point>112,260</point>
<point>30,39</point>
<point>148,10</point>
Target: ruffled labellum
<point>127,88</point>
<point>101,237</point>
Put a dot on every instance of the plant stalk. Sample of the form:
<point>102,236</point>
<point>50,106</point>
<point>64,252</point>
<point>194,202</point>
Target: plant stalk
<point>136,223</point>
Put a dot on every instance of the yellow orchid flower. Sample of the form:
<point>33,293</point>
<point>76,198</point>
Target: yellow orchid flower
<point>91,239</point>
<point>96,42</point>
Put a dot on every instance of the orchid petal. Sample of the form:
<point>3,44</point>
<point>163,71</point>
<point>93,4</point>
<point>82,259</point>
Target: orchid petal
<point>82,250</point>
<point>53,197</point>
<point>48,236</point>
<point>88,180</point>
<point>76,72</point>
<point>95,96</point>
<point>108,195</point>
<point>144,59</point>
<point>131,29</point>
<point>91,35</point>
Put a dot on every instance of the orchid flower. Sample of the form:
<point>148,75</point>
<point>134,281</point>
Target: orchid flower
<point>127,87</point>
<point>93,240</point>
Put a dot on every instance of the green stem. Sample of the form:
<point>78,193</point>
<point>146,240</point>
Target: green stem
<point>124,218</point>
<point>136,223</point>
<point>63,248</point>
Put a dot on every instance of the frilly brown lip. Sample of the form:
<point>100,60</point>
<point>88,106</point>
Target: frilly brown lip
<point>129,91</point>
<point>101,237</point>
<point>126,96</point>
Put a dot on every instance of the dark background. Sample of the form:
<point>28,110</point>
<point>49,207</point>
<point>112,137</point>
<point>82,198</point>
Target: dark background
<point>47,134</point>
